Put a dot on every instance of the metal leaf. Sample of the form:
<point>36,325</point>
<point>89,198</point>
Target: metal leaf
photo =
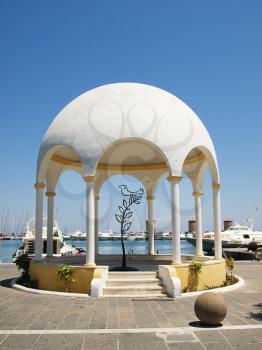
<point>119,218</point>
<point>128,215</point>
<point>127,226</point>
<point>121,209</point>
<point>124,203</point>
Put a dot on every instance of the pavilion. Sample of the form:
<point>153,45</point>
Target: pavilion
<point>134,129</point>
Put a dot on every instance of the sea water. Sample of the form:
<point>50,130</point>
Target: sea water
<point>8,247</point>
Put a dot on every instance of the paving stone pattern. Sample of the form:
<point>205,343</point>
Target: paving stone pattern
<point>24,311</point>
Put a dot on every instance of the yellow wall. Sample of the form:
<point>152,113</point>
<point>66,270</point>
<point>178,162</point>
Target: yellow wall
<point>46,277</point>
<point>211,275</point>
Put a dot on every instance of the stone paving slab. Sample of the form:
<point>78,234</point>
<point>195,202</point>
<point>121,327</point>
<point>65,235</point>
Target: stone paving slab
<point>31,312</point>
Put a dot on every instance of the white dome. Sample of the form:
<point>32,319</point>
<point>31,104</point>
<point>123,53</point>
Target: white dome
<point>102,116</point>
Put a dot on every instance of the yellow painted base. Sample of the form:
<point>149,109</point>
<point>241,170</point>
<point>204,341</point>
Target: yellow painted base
<point>213,274</point>
<point>46,276</point>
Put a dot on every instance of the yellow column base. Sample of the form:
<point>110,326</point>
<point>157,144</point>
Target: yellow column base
<point>90,266</point>
<point>215,258</point>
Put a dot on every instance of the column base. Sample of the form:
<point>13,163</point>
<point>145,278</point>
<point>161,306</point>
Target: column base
<point>176,263</point>
<point>90,265</point>
<point>216,258</point>
<point>199,257</point>
<point>151,253</point>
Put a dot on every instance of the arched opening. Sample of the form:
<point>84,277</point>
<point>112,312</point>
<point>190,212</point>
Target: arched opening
<point>70,200</point>
<point>110,198</point>
<point>132,154</point>
<point>197,163</point>
<point>59,157</point>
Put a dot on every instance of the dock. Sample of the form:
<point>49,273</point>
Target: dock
<point>239,253</point>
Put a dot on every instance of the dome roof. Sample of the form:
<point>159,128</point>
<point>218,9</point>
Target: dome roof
<point>95,120</point>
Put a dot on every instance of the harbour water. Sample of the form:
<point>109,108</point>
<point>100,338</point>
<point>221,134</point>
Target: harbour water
<point>8,247</point>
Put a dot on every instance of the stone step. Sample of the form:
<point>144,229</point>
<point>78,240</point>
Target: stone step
<point>132,275</point>
<point>133,284</point>
<point>131,291</point>
<point>133,281</point>
<point>137,296</point>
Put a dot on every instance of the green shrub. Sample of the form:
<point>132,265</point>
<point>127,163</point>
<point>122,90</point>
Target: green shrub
<point>195,266</point>
<point>23,264</point>
<point>230,264</point>
<point>66,274</point>
<point>194,270</point>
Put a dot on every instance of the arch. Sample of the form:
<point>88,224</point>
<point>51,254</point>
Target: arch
<point>139,140</point>
<point>43,161</point>
<point>209,158</point>
<point>63,190</point>
<point>54,171</point>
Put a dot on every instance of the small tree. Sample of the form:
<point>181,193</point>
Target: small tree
<point>129,199</point>
<point>65,273</point>
<point>230,264</point>
<point>194,270</point>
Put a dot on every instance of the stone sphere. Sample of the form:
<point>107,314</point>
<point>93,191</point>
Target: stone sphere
<point>210,308</point>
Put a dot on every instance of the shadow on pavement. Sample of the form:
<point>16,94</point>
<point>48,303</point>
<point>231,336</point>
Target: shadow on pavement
<point>6,283</point>
<point>257,315</point>
<point>199,324</point>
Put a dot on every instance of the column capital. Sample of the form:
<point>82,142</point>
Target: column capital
<point>97,197</point>
<point>197,194</point>
<point>216,185</point>
<point>89,178</point>
<point>173,178</point>
<point>39,185</point>
<point>50,194</point>
<point>150,197</point>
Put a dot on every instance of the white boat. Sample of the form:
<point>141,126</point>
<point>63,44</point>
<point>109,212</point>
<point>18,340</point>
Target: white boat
<point>235,236</point>
<point>166,235</point>
<point>106,236</point>
<point>136,236</point>
<point>78,236</point>
<point>29,238</point>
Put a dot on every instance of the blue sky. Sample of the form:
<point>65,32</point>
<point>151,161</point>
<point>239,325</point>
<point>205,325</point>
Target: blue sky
<point>208,53</point>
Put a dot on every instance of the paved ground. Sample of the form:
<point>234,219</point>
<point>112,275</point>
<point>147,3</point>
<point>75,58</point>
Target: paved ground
<point>29,321</point>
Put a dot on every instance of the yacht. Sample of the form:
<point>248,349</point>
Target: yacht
<point>28,238</point>
<point>105,236</point>
<point>78,236</point>
<point>235,236</point>
<point>136,236</point>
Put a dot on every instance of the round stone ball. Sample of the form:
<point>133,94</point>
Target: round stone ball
<point>210,308</point>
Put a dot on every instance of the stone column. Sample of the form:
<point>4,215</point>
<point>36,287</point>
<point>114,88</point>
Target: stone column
<point>96,223</point>
<point>217,220</point>
<point>50,223</point>
<point>198,215</point>
<point>39,220</point>
<point>175,212</point>
<point>90,220</point>
<point>150,219</point>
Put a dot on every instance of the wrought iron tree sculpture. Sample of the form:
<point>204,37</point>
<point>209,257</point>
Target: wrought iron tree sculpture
<point>129,198</point>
